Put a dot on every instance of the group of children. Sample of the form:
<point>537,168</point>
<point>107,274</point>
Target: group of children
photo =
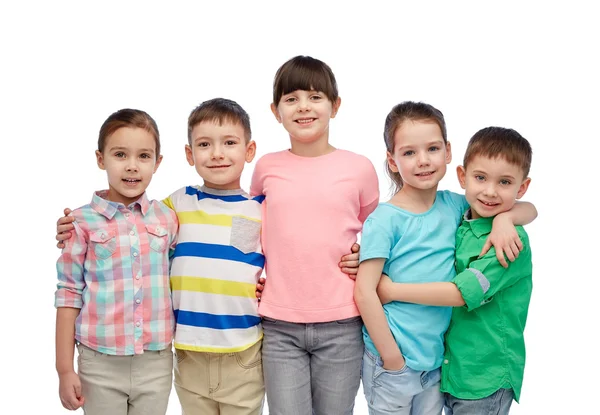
<point>136,276</point>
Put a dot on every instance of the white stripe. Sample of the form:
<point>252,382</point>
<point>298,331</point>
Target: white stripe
<point>202,233</point>
<point>205,337</point>
<point>217,304</point>
<point>220,269</point>
<point>249,208</point>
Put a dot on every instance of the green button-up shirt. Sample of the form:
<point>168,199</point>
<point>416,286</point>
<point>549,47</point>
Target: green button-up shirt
<point>485,346</point>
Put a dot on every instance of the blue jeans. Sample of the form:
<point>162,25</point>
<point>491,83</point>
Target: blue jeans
<point>498,403</point>
<point>312,368</point>
<point>400,392</point>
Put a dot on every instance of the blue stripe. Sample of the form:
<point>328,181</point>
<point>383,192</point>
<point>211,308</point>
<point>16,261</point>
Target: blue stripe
<point>201,250</point>
<point>225,198</point>
<point>214,321</point>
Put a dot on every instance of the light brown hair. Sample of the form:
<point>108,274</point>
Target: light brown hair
<point>132,118</point>
<point>219,110</point>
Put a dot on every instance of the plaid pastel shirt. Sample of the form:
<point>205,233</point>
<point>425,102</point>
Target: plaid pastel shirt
<point>115,268</point>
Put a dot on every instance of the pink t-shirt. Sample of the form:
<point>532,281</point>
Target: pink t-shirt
<point>314,209</point>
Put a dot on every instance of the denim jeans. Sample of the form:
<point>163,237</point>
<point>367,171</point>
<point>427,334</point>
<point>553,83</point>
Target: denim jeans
<point>400,392</point>
<point>312,368</point>
<point>498,403</point>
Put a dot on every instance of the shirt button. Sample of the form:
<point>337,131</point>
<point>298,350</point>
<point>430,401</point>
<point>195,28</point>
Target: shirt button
<point>446,361</point>
<point>137,324</point>
<point>137,301</point>
<point>135,254</point>
<point>127,215</point>
<point>137,277</point>
<point>103,237</point>
<point>132,233</point>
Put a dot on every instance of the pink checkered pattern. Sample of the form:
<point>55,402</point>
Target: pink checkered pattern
<point>115,268</point>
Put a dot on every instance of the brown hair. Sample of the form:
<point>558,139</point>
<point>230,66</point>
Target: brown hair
<point>408,111</point>
<point>219,110</point>
<point>306,74</point>
<point>494,142</point>
<point>128,117</point>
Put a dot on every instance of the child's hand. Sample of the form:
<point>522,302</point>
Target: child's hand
<point>505,239</point>
<point>349,262</point>
<point>64,226</point>
<point>384,289</point>
<point>260,286</point>
<point>70,391</point>
<point>395,362</point>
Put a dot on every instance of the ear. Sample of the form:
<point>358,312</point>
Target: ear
<point>448,153</point>
<point>336,107</point>
<point>523,188</point>
<point>100,160</point>
<point>462,176</point>
<point>250,151</point>
<point>189,155</point>
<point>158,161</point>
<point>275,113</point>
<point>391,162</point>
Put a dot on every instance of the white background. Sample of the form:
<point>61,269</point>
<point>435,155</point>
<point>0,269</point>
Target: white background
<point>64,67</point>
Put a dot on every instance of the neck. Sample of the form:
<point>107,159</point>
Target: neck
<point>415,200</point>
<point>316,148</point>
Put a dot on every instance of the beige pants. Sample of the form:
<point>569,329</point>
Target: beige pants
<point>125,385</point>
<point>220,383</point>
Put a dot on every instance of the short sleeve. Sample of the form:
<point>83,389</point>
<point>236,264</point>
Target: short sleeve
<point>369,189</point>
<point>458,202</point>
<point>257,182</point>
<point>377,240</point>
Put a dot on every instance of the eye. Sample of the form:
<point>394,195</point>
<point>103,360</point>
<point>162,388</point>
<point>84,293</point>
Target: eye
<point>145,156</point>
<point>230,142</point>
<point>408,153</point>
<point>505,182</point>
<point>479,178</point>
<point>119,154</point>
<point>434,148</point>
<point>316,97</point>
<point>290,100</point>
<point>203,144</point>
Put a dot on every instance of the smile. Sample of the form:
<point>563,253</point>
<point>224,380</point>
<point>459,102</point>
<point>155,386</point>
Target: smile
<point>305,120</point>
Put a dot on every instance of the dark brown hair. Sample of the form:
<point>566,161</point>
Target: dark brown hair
<point>306,74</point>
<point>494,142</point>
<point>219,110</point>
<point>128,117</point>
<point>408,111</point>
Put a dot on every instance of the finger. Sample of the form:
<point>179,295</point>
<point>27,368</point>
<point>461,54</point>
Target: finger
<point>78,391</point>
<point>355,248</point>
<point>519,244</point>
<point>258,294</point>
<point>262,280</point>
<point>349,264</point>
<point>508,251</point>
<point>67,211</point>
<point>486,247</point>
<point>60,245</point>
<point>65,220</point>
<point>351,274</point>
<point>515,250</point>
<point>501,259</point>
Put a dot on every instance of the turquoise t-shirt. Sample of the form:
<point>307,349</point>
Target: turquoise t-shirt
<point>417,248</point>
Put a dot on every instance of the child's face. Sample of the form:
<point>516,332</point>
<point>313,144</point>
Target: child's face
<point>420,154</point>
<point>491,185</point>
<point>219,153</point>
<point>129,158</point>
<point>305,115</point>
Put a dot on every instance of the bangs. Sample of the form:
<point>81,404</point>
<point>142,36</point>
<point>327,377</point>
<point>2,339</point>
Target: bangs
<point>306,74</point>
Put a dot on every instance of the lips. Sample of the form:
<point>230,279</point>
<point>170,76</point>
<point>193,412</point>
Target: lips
<point>304,120</point>
<point>131,181</point>
<point>425,174</point>
<point>219,167</point>
<point>488,204</point>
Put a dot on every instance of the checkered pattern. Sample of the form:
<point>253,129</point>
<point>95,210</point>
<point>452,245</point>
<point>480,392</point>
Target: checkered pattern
<point>115,268</point>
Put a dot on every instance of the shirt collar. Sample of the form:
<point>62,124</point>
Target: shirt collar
<point>218,192</point>
<point>480,227</point>
<point>108,208</point>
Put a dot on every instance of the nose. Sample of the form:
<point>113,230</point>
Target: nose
<point>490,189</point>
<point>132,165</point>
<point>423,158</point>
<point>303,105</point>
<point>217,152</point>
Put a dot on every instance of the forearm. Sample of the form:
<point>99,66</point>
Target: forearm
<point>65,338</point>
<point>522,213</point>
<point>374,319</point>
<point>432,293</point>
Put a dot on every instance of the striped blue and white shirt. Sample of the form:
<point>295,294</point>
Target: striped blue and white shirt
<point>217,262</point>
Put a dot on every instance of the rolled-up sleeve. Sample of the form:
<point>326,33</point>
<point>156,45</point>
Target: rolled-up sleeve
<point>70,269</point>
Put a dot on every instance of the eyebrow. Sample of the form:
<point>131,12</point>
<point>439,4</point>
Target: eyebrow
<point>503,176</point>
<point>150,150</point>
<point>428,144</point>
<point>226,136</point>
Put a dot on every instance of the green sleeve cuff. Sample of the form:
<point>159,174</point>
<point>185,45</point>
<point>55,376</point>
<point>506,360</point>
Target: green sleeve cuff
<point>470,288</point>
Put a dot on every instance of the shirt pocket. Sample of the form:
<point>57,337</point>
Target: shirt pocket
<point>158,237</point>
<point>245,234</point>
<point>104,243</point>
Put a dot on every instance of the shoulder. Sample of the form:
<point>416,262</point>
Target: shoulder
<point>271,158</point>
<point>358,160</point>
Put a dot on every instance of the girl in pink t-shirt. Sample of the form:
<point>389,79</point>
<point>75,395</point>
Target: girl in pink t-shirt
<point>317,198</point>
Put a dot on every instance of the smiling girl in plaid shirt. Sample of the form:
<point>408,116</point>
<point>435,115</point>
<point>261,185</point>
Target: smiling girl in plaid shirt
<point>113,299</point>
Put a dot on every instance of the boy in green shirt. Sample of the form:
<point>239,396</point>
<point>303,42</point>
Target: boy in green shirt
<point>484,358</point>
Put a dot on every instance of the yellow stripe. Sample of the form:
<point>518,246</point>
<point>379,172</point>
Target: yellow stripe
<point>216,349</point>
<point>213,286</point>
<point>203,218</point>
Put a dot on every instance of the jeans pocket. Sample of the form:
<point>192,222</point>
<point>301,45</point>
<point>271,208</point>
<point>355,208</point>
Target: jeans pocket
<point>269,320</point>
<point>249,358</point>
<point>180,355</point>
